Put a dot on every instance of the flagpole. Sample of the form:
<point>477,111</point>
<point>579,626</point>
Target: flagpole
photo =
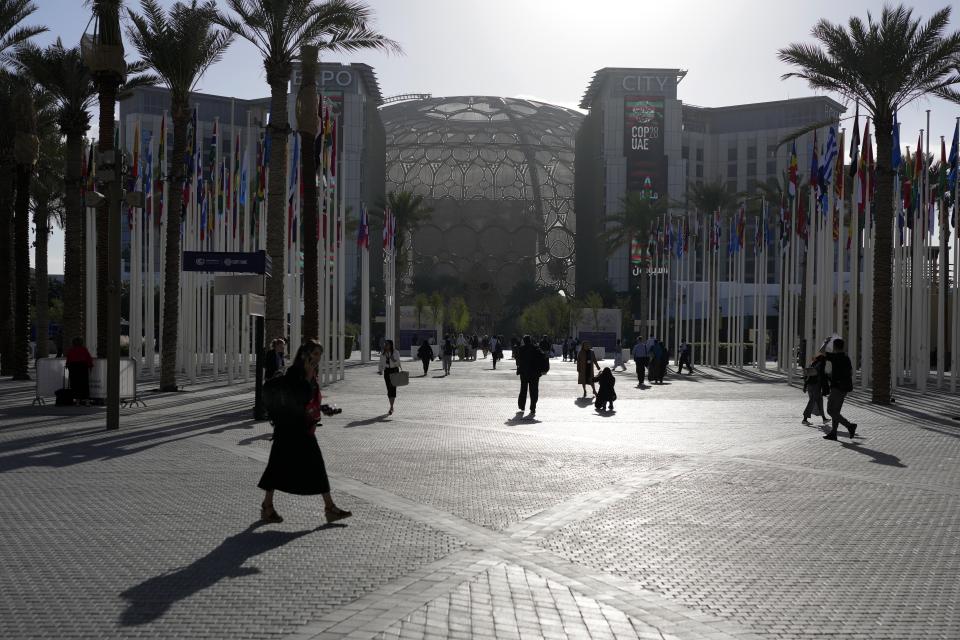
<point>365,294</point>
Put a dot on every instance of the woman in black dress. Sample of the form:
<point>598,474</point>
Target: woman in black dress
<point>296,464</point>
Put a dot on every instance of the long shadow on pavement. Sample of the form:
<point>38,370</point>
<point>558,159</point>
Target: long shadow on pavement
<point>116,444</point>
<point>151,599</point>
<point>367,422</point>
<point>887,459</point>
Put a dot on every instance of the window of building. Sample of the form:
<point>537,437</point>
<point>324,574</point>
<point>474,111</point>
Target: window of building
<point>699,170</point>
<point>751,168</point>
<point>751,153</point>
<point>771,152</point>
<point>700,154</point>
<point>731,171</point>
<point>685,153</point>
<point>771,167</point>
<point>732,154</point>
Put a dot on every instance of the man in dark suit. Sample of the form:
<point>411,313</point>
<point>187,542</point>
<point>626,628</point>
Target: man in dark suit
<point>530,366</point>
<point>841,383</point>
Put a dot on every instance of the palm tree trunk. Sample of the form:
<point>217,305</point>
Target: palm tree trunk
<point>41,220</point>
<point>171,265</point>
<point>108,100</point>
<point>275,322</point>
<point>21,258</point>
<point>73,241</point>
<point>6,260</point>
<point>883,262</point>
<point>307,126</point>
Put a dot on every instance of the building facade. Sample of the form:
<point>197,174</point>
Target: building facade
<point>638,136</point>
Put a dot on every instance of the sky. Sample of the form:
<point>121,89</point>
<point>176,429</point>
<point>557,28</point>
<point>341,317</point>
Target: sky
<point>549,49</point>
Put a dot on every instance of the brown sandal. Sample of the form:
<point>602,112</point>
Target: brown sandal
<point>269,515</point>
<point>335,514</point>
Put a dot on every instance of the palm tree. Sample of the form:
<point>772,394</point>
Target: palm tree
<point>62,73</point>
<point>635,218</point>
<point>12,34</point>
<point>179,45</point>
<point>885,64</point>
<point>48,199</point>
<point>410,214</point>
<point>278,28</point>
<point>25,153</point>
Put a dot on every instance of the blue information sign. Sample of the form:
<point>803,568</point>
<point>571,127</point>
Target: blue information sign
<point>227,261</point>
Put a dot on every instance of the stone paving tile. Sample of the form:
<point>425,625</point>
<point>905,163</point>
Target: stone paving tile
<point>508,601</point>
<point>120,535</point>
<point>787,554</point>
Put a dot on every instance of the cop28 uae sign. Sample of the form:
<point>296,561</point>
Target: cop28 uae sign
<point>643,146</point>
<point>643,129</point>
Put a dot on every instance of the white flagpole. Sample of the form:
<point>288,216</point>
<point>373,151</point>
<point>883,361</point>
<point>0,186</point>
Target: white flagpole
<point>365,296</point>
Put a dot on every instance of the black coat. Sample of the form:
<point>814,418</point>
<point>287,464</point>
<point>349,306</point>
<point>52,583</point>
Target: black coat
<point>529,361</point>
<point>841,371</point>
<point>296,464</point>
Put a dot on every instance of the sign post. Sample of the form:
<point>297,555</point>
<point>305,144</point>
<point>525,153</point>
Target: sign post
<point>239,262</point>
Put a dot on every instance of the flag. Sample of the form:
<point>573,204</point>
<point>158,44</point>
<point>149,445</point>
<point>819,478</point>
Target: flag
<point>826,170</point>
<point>792,181</point>
<point>161,168</point>
<point>855,143</point>
<point>954,158</point>
<point>838,171</point>
<point>134,170</point>
<point>292,190</point>
<point>387,214</point>
<point>801,220</point>
<point>363,229</point>
<point>636,251</point>
<point>897,159</point>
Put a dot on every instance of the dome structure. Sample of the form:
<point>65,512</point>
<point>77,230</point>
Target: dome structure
<point>498,174</point>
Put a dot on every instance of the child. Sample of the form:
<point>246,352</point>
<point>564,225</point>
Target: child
<point>606,395</point>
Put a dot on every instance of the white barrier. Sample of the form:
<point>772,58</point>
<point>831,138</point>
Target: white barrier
<point>128,379</point>
<point>51,375</point>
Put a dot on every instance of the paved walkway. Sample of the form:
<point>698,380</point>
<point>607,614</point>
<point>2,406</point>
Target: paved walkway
<point>701,508</point>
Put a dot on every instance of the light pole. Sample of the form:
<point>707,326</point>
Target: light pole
<point>103,53</point>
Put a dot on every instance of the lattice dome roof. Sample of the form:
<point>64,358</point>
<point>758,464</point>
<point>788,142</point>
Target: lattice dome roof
<point>477,148</point>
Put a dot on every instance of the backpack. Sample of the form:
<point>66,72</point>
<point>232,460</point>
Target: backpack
<point>544,363</point>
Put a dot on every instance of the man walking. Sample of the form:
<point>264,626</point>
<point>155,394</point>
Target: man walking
<point>841,383</point>
<point>530,366</point>
<point>640,357</point>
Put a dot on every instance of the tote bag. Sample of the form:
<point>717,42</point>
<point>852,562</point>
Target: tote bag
<point>399,378</point>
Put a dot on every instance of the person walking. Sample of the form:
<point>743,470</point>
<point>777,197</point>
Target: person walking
<point>684,357</point>
<point>658,362</point>
<point>485,345</point>
<point>815,385</point>
<point>425,354</point>
<point>841,383</point>
<point>618,356</point>
<point>496,351</point>
<point>275,359</point>
<point>586,363</point>
<point>446,353</point>
<point>296,463</point>
<point>641,358</point>
<point>532,363</point>
<point>79,363</point>
<point>565,348</point>
<point>389,364</point>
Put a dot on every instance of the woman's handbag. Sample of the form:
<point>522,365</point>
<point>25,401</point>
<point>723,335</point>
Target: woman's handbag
<point>400,378</point>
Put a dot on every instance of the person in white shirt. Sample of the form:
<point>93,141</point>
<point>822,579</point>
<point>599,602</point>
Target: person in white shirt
<point>389,363</point>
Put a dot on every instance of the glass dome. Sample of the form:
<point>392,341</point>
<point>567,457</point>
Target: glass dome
<point>498,173</point>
